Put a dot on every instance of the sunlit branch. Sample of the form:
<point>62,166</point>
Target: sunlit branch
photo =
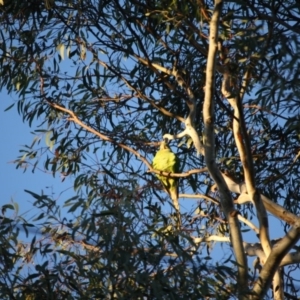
<point>210,199</point>
<point>189,121</point>
<point>273,261</point>
<point>212,238</point>
<point>75,119</point>
<point>256,250</point>
<point>243,145</point>
<point>209,147</point>
<point>272,207</point>
<point>103,137</point>
<point>248,223</point>
<point>178,175</point>
<point>200,196</point>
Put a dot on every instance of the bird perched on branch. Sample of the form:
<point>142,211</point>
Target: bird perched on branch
<point>166,161</point>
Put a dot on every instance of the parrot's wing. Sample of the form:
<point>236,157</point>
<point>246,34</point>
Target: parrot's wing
<point>177,164</point>
<point>165,160</point>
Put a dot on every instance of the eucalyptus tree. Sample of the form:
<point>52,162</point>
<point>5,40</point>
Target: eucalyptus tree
<point>109,81</point>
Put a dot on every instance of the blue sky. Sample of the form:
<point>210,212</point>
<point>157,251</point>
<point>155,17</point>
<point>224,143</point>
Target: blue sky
<point>14,134</point>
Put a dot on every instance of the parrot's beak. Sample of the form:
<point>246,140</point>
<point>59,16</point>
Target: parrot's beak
<point>166,140</point>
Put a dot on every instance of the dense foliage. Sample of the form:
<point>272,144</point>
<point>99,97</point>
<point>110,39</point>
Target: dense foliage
<point>107,80</point>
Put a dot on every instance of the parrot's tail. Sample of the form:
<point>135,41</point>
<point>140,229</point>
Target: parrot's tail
<point>174,197</point>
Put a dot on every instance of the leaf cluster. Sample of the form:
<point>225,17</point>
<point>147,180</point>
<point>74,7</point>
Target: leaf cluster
<point>96,80</point>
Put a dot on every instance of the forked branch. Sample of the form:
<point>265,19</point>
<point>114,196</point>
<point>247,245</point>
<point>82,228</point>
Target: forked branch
<point>209,148</point>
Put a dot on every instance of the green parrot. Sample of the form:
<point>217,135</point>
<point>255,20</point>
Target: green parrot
<point>165,160</point>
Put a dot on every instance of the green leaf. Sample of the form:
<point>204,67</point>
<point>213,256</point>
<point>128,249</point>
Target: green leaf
<point>9,107</point>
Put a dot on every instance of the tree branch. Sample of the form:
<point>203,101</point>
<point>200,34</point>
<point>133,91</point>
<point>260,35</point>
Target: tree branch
<point>273,261</point>
<point>191,103</point>
<point>103,137</point>
<point>209,149</point>
<point>272,207</point>
<point>210,199</point>
<point>243,144</point>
